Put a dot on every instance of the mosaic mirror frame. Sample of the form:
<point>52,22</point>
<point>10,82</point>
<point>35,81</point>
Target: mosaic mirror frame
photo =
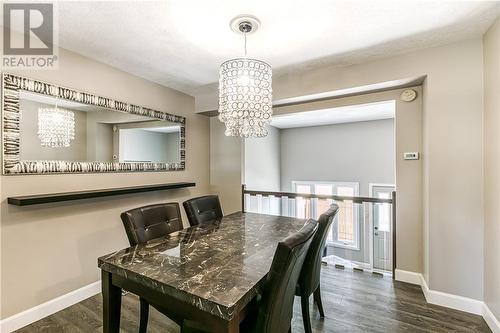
<point>11,113</point>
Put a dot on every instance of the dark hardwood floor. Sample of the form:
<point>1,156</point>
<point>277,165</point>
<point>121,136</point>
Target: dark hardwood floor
<point>353,302</point>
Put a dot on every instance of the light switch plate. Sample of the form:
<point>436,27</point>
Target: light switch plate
<point>411,156</point>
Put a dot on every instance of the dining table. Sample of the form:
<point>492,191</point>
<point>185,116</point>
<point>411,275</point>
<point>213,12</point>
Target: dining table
<point>209,273</point>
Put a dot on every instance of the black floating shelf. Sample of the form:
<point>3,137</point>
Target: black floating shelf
<point>68,196</point>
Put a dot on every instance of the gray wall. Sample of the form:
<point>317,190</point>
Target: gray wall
<point>146,146</point>
<point>226,166</point>
<point>103,142</point>
<point>361,152</point>
<point>492,169</point>
<point>354,152</point>
<point>137,145</point>
<point>64,240</point>
<point>172,147</point>
<point>262,162</point>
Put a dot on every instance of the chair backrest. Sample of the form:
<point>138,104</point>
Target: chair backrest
<point>203,209</point>
<point>309,277</point>
<point>153,221</point>
<point>276,310</point>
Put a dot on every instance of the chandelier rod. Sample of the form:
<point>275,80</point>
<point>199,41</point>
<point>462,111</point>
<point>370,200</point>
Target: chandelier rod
<point>245,36</point>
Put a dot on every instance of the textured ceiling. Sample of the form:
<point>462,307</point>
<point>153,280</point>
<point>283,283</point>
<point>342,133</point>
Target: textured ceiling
<point>180,43</point>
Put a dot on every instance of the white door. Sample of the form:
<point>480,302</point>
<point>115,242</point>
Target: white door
<point>382,228</point>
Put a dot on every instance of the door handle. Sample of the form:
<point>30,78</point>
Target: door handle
<point>376,228</point>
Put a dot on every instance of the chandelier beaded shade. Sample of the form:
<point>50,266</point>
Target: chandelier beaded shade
<point>245,93</point>
<point>56,127</point>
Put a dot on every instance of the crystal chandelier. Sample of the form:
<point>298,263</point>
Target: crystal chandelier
<point>245,89</point>
<point>56,127</point>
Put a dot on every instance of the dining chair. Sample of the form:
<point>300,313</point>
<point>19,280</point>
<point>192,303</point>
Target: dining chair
<point>309,280</point>
<point>145,223</point>
<point>275,304</point>
<point>203,209</point>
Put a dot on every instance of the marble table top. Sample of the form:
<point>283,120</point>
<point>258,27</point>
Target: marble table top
<point>217,267</point>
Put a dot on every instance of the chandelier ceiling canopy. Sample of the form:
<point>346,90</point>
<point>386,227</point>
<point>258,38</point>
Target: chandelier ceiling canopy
<point>245,89</point>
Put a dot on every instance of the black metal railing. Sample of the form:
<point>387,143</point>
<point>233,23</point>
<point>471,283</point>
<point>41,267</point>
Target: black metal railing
<point>353,199</point>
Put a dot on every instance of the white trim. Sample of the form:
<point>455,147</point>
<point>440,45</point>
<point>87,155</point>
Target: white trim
<point>346,245</point>
<point>449,300</point>
<point>408,277</point>
<point>452,301</point>
<point>43,310</point>
<point>490,319</point>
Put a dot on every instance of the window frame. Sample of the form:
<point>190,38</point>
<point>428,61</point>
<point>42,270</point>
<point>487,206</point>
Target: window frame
<point>355,245</point>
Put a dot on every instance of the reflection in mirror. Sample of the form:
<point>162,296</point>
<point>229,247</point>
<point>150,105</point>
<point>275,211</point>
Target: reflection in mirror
<point>60,130</point>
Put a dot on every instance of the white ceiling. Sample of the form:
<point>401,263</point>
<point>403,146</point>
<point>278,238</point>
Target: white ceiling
<point>344,114</point>
<point>180,43</point>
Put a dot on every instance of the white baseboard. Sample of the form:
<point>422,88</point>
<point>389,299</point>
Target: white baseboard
<point>491,320</point>
<point>38,312</point>
<point>452,301</point>
<point>408,277</point>
<point>449,300</point>
<point>43,310</point>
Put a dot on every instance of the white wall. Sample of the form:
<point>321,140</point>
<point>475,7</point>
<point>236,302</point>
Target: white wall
<point>360,152</point>
<point>492,168</point>
<point>262,162</point>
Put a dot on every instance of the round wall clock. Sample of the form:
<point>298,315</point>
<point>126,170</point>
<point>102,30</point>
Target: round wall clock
<point>408,95</point>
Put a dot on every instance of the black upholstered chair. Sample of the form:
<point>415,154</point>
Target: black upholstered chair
<point>275,305</point>
<point>145,223</point>
<point>309,281</point>
<point>203,209</point>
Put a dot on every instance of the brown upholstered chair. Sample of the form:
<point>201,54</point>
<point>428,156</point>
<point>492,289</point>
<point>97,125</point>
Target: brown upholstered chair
<point>309,281</point>
<point>275,306</point>
<point>145,223</point>
<point>203,209</point>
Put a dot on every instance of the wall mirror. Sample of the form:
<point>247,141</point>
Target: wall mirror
<point>51,129</point>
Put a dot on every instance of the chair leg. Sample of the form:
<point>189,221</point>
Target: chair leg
<point>317,300</point>
<point>304,300</point>
<point>143,324</point>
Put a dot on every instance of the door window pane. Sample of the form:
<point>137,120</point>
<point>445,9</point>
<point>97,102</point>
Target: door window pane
<point>384,213</point>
